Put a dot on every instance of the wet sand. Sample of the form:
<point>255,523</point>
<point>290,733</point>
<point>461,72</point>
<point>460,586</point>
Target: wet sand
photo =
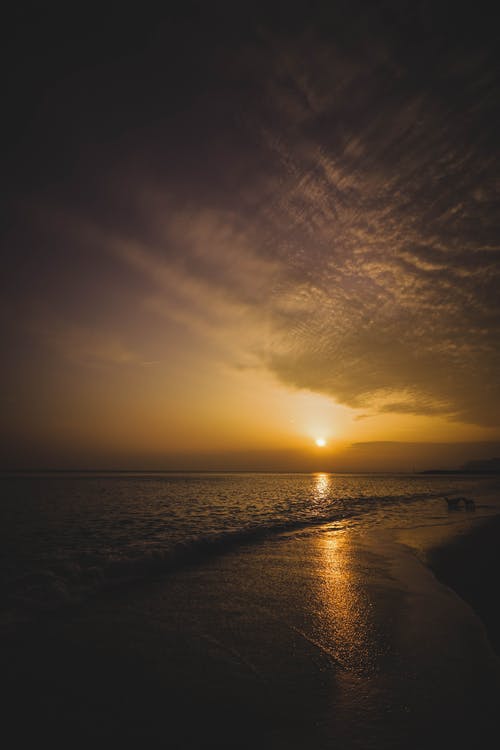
<point>470,564</point>
<point>334,638</point>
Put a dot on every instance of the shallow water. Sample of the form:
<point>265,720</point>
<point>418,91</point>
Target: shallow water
<point>332,634</point>
<point>65,536</point>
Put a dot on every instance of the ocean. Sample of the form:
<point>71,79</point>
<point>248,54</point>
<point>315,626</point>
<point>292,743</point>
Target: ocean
<point>66,536</point>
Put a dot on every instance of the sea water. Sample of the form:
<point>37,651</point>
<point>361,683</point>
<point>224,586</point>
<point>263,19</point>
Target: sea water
<point>66,536</point>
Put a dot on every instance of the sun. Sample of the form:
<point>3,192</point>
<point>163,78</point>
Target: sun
<point>320,442</point>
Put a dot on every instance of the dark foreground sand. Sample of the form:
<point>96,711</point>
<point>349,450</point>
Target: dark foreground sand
<point>333,639</point>
<point>470,564</point>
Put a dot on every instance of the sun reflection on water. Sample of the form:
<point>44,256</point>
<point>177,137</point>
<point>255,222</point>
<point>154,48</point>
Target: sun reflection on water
<point>344,615</point>
<point>322,486</point>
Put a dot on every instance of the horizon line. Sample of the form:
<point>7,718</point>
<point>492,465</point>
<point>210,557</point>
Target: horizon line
<point>231,471</point>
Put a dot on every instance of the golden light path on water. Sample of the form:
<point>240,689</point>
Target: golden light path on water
<point>322,483</point>
<point>344,608</point>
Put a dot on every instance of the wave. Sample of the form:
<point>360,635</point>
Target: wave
<point>65,583</point>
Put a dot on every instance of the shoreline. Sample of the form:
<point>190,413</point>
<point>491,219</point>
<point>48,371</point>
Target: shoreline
<point>470,565</point>
<point>319,638</point>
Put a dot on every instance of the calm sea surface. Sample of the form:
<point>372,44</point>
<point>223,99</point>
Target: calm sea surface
<point>66,536</point>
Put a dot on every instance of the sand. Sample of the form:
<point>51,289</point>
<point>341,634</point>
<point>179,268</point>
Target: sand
<point>470,564</point>
<point>327,639</point>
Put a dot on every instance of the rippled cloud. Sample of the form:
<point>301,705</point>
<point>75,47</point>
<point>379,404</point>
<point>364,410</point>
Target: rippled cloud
<point>365,237</point>
<point>332,216</point>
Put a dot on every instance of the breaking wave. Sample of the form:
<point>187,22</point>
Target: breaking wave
<point>93,537</point>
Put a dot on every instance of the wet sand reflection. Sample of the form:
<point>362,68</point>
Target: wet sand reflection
<point>343,622</point>
<point>344,613</point>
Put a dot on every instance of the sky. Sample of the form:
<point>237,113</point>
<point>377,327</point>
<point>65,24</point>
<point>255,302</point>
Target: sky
<point>233,229</point>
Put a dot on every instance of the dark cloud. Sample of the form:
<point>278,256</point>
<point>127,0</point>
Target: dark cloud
<point>329,176</point>
<point>384,221</point>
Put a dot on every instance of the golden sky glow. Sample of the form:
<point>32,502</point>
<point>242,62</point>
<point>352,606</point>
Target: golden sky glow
<point>211,274</point>
<point>203,412</point>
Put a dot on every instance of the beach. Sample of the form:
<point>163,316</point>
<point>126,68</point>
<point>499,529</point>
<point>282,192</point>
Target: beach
<point>470,565</point>
<point>330,637</point>
<point>250,434</point>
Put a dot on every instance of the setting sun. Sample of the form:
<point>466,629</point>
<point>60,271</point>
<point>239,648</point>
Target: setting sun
<point>249,319</point>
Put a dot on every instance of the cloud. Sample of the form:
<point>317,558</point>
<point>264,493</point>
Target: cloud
<point>84,345</point>
<point>204,275</point>
<point>390,263</point>
<point>341,229</point>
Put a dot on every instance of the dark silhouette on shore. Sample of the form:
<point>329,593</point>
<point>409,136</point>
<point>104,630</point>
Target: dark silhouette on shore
<point>454,503</point>
<point>487,466</point>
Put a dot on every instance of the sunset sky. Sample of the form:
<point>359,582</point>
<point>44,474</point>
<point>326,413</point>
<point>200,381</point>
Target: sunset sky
<point>240,227</point>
